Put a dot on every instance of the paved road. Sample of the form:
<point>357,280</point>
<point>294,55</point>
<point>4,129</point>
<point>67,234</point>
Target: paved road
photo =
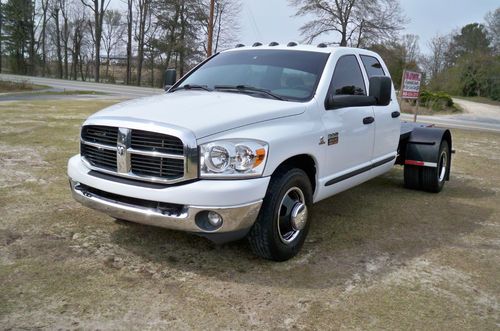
<point>476,116</point>
<point>118,90</point>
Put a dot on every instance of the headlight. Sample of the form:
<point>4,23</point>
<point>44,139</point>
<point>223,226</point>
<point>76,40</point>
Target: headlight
<point>233,158</point>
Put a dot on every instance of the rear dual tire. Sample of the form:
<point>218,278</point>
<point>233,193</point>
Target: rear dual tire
<point>430,179</point>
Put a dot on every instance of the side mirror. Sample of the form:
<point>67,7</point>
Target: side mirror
<point>169,79</point>
<point>347,100</point>
<point>380,89</point>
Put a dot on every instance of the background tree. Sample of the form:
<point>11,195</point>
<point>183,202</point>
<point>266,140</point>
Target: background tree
<point>112,34</point>
<point>357,22</point>
<point>18,34</point>
<point>493,28</point>
<point>98,8</point>
<point>143,25</point>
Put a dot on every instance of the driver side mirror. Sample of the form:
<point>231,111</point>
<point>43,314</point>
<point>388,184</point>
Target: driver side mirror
<point>169,79</point>
<point>380,89</point>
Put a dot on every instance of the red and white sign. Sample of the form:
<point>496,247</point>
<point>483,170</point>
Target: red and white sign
<point>411,85</point>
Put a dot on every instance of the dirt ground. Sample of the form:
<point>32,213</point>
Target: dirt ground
<point>378,256</point>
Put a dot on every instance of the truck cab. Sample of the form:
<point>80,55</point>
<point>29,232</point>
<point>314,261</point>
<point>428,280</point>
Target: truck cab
<point>246,142</point>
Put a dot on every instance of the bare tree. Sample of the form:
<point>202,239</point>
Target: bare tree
<point>130,19</point>
<point>55,13</point>
<point>436,61</point>
<point>143,25</point>
<point>112,34</point>
<point>98,7</point>
<point>226,24</point>
<point>358,22</point>
<point>493,27</point>
<point>42,42</point>
<point>410,48</point>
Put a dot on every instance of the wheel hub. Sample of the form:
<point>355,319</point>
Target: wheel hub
<point>298,216</point>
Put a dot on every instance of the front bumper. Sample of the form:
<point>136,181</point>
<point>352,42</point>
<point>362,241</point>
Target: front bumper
<point>238,202</point>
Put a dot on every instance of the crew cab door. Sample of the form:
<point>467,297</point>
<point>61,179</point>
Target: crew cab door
<point>387,121</point>
<point>350,131</point>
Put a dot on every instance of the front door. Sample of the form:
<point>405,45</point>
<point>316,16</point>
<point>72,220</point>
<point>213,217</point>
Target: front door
<point>349,134</point>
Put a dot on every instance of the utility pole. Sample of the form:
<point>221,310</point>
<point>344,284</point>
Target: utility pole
<point>210,28</point>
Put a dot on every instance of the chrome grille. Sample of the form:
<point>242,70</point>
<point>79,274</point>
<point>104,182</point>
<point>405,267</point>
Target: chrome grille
<point>137,154</point>
<point>97,157</point>
<point>157,166</point>
<point>152,141</point>
<point>105,135</point>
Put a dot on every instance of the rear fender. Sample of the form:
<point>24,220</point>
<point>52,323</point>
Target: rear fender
<point>422,147</point>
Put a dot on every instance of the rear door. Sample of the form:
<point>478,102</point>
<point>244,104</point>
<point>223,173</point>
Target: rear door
<point>387,122</point>
<point>349,141</point>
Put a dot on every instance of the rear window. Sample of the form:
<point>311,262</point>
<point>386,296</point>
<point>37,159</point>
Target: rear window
<point>372,66</point>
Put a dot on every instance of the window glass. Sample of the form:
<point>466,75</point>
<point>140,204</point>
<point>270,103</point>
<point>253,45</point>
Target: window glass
<point>372,66</point>
<point>347,78</point>
<point>292,75</point>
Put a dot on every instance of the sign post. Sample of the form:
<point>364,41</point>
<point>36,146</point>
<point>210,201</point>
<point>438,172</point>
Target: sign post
<point>410,88</point>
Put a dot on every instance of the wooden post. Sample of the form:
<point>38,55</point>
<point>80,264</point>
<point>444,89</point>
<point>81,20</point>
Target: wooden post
<point>210,28</point>
<point>416,110</point>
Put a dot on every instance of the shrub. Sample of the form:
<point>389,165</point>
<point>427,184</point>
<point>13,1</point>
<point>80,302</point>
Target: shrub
<point>436,100</point>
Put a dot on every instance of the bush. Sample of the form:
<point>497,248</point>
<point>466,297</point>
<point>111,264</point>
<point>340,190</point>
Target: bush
<point>436,101</point>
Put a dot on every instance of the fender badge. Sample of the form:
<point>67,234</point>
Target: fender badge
<point>322,140</point>
<point>333,138</point>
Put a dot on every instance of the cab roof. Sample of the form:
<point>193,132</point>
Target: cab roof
<point>321,48</point>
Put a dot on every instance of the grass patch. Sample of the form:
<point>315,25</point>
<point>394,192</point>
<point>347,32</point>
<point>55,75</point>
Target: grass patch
<point>377,256</point>
<point>24,86</point>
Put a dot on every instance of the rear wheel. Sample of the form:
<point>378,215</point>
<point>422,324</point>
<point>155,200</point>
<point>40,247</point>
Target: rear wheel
<point>283,222</point>
<point>433,178</point>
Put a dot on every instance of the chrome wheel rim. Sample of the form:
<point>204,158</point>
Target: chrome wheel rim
<point>443,163</point>
<point>292,215</point>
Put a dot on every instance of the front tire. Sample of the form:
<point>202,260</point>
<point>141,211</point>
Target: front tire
<point>283,222</point>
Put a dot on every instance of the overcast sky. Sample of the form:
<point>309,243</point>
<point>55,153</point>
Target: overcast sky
<point>273,20</point>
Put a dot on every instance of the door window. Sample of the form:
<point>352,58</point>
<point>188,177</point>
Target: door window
<point>347,77</point>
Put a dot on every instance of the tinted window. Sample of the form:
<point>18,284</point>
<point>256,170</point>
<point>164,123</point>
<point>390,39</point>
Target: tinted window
<point>347,78</point>
<point>294,75</point>
<point>372,66</point>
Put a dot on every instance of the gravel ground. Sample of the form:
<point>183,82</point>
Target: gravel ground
<point>377,257</point>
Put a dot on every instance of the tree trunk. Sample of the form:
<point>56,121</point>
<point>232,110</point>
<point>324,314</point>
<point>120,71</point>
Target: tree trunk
<point>129,43</point>
<point>58,44</point>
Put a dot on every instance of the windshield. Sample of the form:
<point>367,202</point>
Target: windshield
<point>291,75</point>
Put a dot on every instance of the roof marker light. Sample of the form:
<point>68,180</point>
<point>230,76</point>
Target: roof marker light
<point>292,44</point>
<point>239,45</point>
<point>273,43</point>
<point>322,45</point>
<point>257,44</point>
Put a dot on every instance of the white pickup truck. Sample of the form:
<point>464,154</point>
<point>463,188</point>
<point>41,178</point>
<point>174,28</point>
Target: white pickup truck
<point>246,142</point>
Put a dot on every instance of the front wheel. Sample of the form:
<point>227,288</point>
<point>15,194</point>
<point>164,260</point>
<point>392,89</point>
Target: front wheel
<point>283,222</point>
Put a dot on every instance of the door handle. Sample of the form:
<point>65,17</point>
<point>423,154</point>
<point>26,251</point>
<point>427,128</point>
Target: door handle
<point>368,120</point>
<point>395,114</point>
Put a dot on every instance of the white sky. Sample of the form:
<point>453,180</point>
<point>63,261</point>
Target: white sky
<point>273,20</point>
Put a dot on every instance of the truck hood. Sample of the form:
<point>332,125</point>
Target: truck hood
<point>204,113</point>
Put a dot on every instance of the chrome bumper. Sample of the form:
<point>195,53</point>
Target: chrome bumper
<point>235,218</point>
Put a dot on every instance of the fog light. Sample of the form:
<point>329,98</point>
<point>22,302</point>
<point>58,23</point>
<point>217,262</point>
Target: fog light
<point>214,219</point>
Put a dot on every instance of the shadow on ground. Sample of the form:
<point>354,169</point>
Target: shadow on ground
<point>363,232</point>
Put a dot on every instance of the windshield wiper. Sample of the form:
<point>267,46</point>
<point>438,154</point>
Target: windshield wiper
<point>246,88</point>
<point>192,87</point>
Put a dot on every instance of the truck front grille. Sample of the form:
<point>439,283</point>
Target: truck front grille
<point>152,141</point>
<point>102,158</point>
<point>136,154</point>
<point>105,135</point>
